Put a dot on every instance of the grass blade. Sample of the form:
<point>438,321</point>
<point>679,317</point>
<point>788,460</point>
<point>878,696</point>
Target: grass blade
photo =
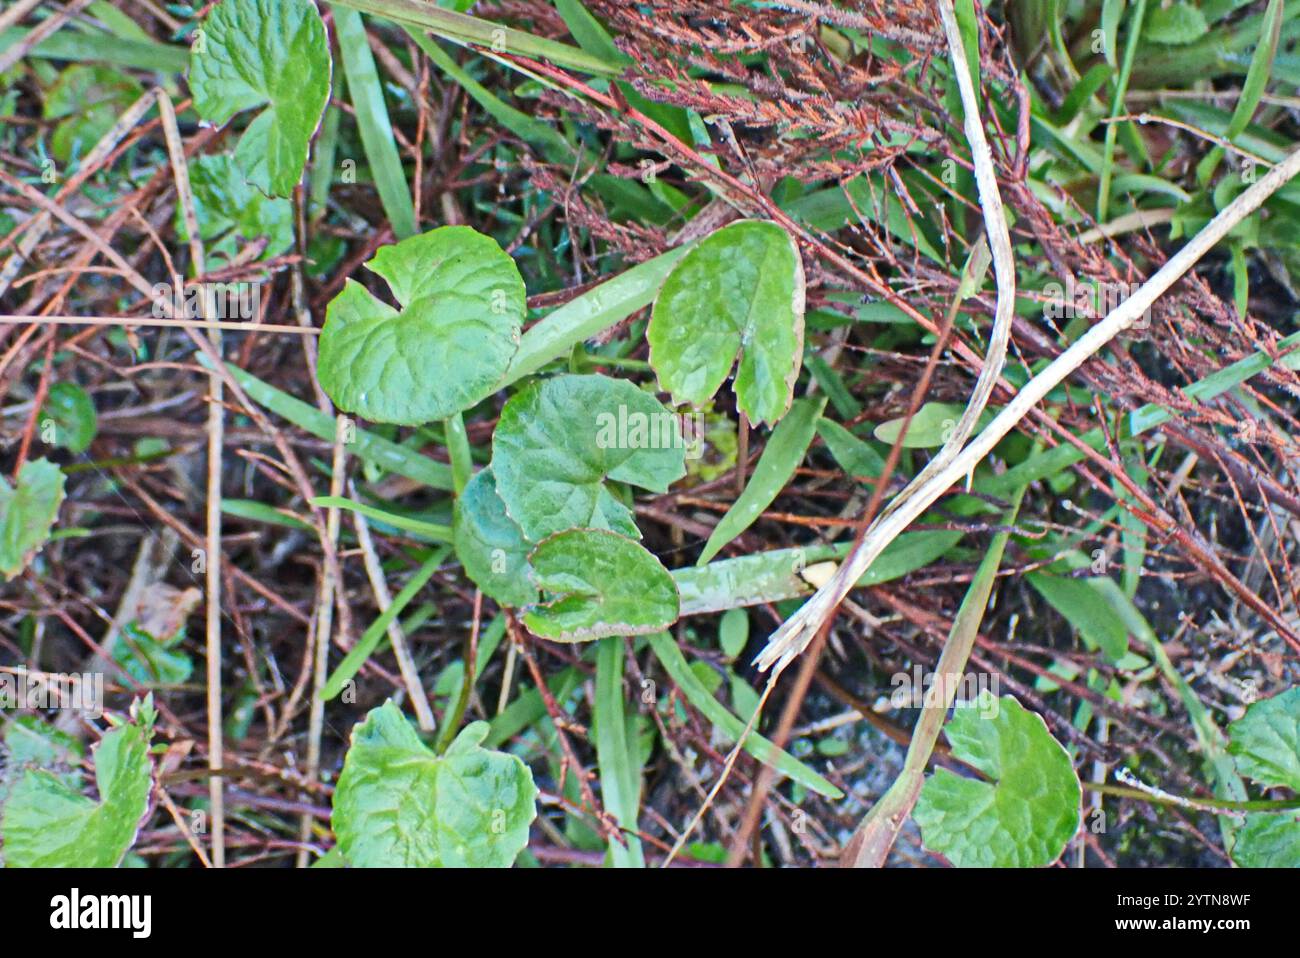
<point>874,838</point>
<point>429,530</point>
<point>371,638</point>
<point>367,95</point>
<point>674,663</point>
<point>1252,88</point>
<point>591,313</point>
<point>374,449</point>
<point>784,451</point>
<point>620,778</point>
<point>467,29</point>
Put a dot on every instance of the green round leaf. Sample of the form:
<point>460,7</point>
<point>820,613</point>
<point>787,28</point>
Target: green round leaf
<point>398,805</point>
<point>1266,741</point>
<point>225,203</point>
<point>490,545</point>
<point>88,99</point>
<point>1268,840</point>
<point>599,583</point>
<point>27,512</point>
<point>71,412</point>
<point>47,823</point>
<point>462,305</point>
<point>148,660</point>
<point>252,53</point>
<point>1021,819</point>
<point>559,439</point>
<point>31,742</point>
<point>741,290</point>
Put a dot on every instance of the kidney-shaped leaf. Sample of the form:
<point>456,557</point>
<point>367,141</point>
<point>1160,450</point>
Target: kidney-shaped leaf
<point>1266,741</point>
<point>71,411</point>
<point>88,99</point>
<point>49,824</point>
<point>490,545</point>
<point>1021,819</point>
<point>559,439</point>
<point>1268,840</point>
<point>27,512</point>
<point>462,304</point>
<point>399,805</point>
<point>264,52</point>
<point>741,290</point>
<point>599,583</point>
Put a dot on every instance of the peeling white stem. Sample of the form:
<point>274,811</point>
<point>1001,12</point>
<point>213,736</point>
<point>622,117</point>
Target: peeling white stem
<point>793,637</point>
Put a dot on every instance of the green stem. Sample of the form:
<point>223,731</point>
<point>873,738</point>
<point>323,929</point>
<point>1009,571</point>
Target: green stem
<point>1209,805</point>
<point>462,462</point>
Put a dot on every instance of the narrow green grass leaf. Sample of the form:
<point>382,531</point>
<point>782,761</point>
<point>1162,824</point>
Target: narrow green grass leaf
<point>879,829</point>
<point>255,511</point>
<point>1081,604</point>
<point>620,778</point>
<point>856,457</point>
<point>367,95</point>
<point>1117,108</point>
<point>781,456</point>
<point>591,313</point>
<point>373,449</point>
<point>371,638</point>
<point>554,147</point>
<point>429,530</point>
<point>1252,88</point>
<point>87,47</point>
<point>779,574</point>
<point>674,663</point>
<point>467,29</point>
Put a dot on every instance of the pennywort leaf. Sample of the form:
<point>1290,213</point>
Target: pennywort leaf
<point>740,291</point>
<point>226,204</point>
<point>86,100</point>
<point>448,346</point>
<point>1266,741</point>
<point>490,545</point>
<point>271,53</point>
<point>1268,840</point>
<point>27,511</point>
<point>47,823</point>
<point>399,805</point>
<point>68,419</point>
<point>1025,815</point>
<point>597,583</point>
<point>559,439</point>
